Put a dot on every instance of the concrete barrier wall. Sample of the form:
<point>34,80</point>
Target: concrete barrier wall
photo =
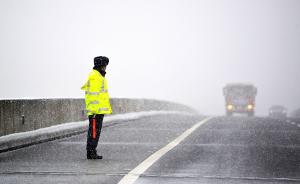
<point>25,115</point>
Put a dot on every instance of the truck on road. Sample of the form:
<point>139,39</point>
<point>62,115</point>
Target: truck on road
<point>240,98</point>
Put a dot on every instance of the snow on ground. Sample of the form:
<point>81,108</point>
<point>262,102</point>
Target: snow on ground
<point>23,138</point>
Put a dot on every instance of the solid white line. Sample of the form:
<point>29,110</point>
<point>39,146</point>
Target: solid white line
<point>134,174</point>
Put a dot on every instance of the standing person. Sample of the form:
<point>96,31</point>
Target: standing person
<point>97,104</point>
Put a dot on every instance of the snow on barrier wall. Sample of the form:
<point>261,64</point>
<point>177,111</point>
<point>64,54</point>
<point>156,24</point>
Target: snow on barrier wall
<point>26,115</point>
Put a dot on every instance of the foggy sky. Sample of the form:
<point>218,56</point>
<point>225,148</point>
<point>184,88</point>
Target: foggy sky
<point>177,50</point>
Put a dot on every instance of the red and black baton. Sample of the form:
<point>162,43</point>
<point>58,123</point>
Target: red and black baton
<point>94,128</point>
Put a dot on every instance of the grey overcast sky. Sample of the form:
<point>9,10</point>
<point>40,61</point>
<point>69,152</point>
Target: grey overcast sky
<point>177,50</point>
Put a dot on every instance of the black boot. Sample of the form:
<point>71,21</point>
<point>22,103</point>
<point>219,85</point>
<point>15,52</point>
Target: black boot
<point>93,155</point>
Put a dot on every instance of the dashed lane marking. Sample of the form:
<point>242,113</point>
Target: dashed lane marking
<point>253,178</point>
<point>134,174</point>
<point>293,123</point>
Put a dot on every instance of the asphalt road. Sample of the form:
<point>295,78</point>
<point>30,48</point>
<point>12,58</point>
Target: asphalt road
<point>222,150</point>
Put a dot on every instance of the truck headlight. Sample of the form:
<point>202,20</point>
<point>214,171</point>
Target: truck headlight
<point>250,107</point>
<point>230,107</point>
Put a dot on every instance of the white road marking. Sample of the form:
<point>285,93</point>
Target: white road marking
<point>133,175</point>
<point>293,123</point>
<point>252,178</point>
<point>298,126</point>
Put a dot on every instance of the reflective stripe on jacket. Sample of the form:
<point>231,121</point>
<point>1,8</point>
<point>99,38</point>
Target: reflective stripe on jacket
<point>96,94</point>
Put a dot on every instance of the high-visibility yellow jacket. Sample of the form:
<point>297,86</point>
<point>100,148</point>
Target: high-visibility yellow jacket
<point>96,94</point>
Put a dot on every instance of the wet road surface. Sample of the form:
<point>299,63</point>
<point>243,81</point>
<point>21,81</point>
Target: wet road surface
<point>222,150</point>
<point>233,150</point>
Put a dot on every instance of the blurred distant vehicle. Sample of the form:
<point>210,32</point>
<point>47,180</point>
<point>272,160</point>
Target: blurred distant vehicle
<point>296,113</point>
<point>278,111</point>
<point>240,98</point>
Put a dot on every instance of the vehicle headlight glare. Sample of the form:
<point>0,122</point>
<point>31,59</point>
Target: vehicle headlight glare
<point>229,107</point>
<point>250,107</point>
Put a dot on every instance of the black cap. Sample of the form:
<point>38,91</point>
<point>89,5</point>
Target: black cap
<point>101,61</point>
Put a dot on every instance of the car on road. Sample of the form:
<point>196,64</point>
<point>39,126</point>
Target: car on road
<point>278,111</point>
<point>239,98</point>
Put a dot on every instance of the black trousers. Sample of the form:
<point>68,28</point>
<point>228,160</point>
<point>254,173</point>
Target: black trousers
<point>94,131</point>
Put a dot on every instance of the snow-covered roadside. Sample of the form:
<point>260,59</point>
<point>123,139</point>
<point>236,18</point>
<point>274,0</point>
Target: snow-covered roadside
<point>17,140</point>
